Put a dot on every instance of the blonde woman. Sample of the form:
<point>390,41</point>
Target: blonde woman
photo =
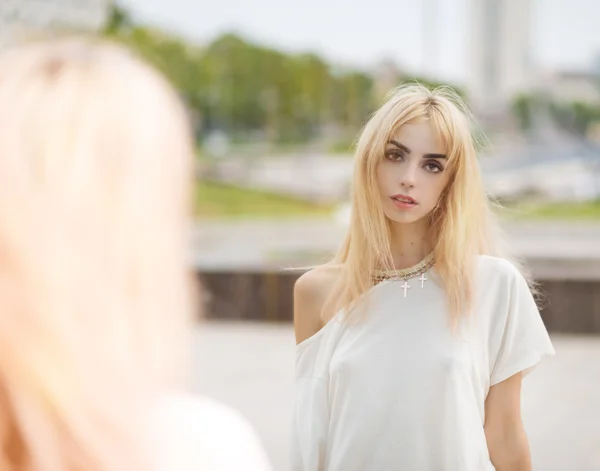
<point>96,297</point>
<point>414,339</point>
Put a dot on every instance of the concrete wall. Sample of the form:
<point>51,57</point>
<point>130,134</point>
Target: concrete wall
<point>570,302</point>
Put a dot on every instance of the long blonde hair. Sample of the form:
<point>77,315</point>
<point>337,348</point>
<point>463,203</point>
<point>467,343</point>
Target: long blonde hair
<point>462,225</point>
<point>95,299</point>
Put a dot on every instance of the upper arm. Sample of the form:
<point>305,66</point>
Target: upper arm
<point>504,432</point>
<point>503,404</point>
<point>307,306</point>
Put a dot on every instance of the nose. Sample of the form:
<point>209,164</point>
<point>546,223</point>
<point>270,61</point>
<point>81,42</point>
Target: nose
<point>408,177</point>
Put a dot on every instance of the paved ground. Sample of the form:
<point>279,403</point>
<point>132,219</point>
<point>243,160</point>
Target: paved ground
<point>250,366</point>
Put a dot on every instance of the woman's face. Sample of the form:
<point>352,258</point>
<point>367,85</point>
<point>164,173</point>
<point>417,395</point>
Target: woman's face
<point>412,173</point>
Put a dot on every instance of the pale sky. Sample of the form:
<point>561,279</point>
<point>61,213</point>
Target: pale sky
<point>565,33</point>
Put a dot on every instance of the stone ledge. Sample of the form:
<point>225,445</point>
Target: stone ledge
<point>570,301</point>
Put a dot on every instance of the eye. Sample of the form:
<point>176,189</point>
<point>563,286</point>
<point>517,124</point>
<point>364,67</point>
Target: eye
<point>394,155</point>
<point>433,167</point>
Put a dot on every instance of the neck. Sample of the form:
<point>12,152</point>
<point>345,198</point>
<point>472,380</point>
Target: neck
<point>409,244</point>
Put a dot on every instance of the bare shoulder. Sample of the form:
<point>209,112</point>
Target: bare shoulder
<point>311,291</point>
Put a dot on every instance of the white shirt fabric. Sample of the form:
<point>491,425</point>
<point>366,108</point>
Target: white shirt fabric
<point>398,390</point>
<point>192,433</point>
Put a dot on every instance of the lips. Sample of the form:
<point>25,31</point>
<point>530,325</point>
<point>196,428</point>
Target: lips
<point>404,199</point>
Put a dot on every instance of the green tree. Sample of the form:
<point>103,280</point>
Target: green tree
<point>522,108</point>
<point>248,89</point>
<point>119,19</point>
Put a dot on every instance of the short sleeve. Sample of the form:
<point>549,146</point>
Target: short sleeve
<point>522,339</point>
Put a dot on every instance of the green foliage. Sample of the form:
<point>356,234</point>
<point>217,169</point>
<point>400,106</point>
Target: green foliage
<point>589,210</point>
<point>584,114</point>
<point>576,117</point>
<point>522,108</point>
<point>250,91</point>
<point>118,20</point>
<point>215,200</point>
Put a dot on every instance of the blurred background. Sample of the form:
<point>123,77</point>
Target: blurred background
<point>277,92</point>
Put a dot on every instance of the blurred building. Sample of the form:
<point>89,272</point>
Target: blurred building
<point>572,86</point>
<point>20,18</point>
<point>500,57</point>
<point>596,65</point>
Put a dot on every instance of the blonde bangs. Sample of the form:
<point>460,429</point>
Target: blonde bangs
<point>452,141</point>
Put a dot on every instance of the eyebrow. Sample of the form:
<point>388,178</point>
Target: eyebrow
<point>407,150</point>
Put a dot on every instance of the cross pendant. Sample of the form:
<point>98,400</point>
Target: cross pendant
<point>405,286</point>
<point>422,279</point>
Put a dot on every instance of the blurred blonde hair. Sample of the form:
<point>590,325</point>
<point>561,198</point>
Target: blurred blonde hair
<point>462,225</point>
<point>95,300</point>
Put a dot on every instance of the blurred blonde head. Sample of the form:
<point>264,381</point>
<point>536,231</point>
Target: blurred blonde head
<point>95,299</point>
<point>462,224</point>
